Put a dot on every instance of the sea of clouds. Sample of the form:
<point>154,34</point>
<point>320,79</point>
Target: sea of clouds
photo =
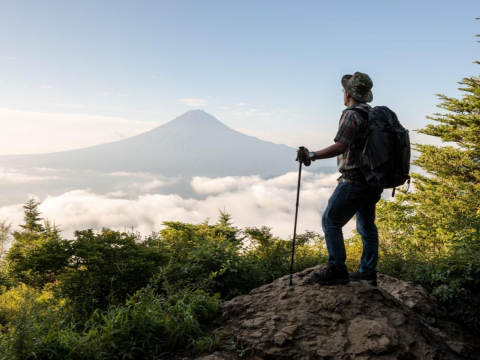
<point>251,200</point>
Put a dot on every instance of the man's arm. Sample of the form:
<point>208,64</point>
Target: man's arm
<point>331,151</point>
<point>345,136</point>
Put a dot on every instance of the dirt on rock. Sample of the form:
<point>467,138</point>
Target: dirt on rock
<point>395,320</point>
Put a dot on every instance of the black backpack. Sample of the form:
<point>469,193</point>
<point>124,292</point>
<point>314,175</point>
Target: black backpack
<point>387,147</point>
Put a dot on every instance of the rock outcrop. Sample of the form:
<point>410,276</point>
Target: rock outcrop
<point>395,320</point>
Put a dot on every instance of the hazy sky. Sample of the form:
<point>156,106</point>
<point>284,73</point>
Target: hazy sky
<point>78,73</point>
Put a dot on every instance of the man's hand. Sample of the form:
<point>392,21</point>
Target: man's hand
<point>302,155</point>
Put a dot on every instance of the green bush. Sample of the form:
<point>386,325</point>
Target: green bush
<point>201,256</point>
<point>111,294</point>
<point>147,326</point>
<point>108,266</point>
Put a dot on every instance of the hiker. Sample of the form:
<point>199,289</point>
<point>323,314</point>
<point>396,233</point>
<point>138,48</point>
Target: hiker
<point>352,196</point>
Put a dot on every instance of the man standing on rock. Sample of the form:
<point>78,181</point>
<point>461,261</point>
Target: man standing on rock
<point>352,196</point>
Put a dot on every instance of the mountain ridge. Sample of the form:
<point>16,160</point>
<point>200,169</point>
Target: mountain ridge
<point>194,143</point>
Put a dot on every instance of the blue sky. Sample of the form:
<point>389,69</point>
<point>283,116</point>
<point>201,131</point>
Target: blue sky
<point>77,73</point>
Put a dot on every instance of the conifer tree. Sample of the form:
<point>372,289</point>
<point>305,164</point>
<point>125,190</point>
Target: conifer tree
<point>5,235</point>
<point>52,230</point>
<point>432,235</point>
<point>31,217</point>
<point>444,209</point>
<point>225,225</point>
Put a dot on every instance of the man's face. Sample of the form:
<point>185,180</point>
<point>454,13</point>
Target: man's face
<point>345,97</point>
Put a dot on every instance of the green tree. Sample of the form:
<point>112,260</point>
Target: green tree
<point>105,266</point>
<point>432,235</point>
<point>5,235</point>
<point>225,227</point>
<point>37,258</point>
<point>31,258</point>
<point>31,217</point>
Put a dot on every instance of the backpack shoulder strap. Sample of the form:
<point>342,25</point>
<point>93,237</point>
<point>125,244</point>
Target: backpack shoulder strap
<point>364,114</point>
<point>361,112</point>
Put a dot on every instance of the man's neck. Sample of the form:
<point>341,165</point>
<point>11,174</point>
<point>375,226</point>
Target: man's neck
<point>353,103</point>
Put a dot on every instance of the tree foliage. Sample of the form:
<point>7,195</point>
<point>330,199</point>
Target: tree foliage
<point>31,217</point>
<point>111,294</point>
<point>432,235</point>
<point>5,236</point>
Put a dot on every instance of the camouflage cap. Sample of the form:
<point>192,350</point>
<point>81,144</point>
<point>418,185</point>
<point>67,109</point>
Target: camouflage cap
<point>359,86</point>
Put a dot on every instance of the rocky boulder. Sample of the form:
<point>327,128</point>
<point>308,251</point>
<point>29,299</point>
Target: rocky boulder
<point>395,320</point>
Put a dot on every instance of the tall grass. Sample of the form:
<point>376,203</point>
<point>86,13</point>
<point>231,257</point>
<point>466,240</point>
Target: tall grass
<point>147,326</point>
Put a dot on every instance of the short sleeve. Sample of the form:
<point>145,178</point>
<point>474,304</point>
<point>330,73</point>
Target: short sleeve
<point>348,128</point>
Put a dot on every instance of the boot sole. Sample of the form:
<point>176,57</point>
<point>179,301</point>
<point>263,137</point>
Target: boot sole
<point>331,282</point>
<point>368,282</point>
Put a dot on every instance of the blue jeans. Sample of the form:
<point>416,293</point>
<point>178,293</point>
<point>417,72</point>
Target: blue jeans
<point>347,200</point>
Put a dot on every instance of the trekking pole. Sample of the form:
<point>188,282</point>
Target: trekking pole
<point>296,213</point>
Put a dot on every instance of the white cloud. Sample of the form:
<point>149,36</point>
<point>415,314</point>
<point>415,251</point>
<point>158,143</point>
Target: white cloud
<point>192,102</point>
<point>44,169</point>
<point>150,181</point>
<point>139,182</point>
<point>146,187</point>
<point>116,194</point>
<point>17,176</point>
<point>240,104</point>
<point>129,174</point>
<point>252,201</point>
<point>204,185</point>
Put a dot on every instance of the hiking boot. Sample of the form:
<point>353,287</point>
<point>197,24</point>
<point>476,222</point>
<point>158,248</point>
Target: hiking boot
<point>370,279</point>
<point>331,275</point>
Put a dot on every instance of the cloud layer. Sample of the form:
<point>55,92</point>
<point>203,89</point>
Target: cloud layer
<point>252,202</point>
<point>16,176</point>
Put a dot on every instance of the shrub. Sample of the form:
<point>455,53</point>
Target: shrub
<point>147,326</point>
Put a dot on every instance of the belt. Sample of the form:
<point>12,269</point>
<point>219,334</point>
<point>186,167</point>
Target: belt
<point>354,175</point>
<point>343,180</point>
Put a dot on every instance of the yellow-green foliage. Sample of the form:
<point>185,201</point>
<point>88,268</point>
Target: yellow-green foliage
<point>146,326</point>
<point>25,299</point>
<point>353,247</point>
